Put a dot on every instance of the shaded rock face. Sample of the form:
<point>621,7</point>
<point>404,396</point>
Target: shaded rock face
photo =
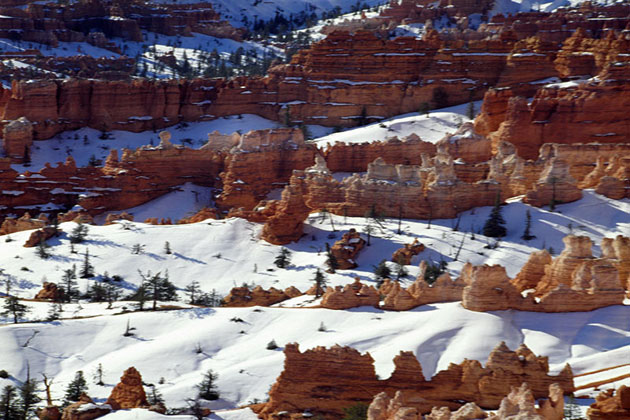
<point>49,413</point>
<point>611,404</point>
<point>244,297</point>
<point>17,139</point>
<point>40,235</point>
<point>326,380</point>
<point>85,409</point>
<point>129,392</point>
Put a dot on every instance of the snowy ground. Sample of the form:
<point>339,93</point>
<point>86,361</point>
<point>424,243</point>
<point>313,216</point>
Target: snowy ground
<point>431,128</point>
<point>221,254</point>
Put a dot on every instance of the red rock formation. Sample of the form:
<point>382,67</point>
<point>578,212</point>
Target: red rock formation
<point>40,235</point>
<point>520,403</point>
<point>203,214</point>
<point>404,254</point>
<point>351,295</point>
<point>244,297</point>
<point>555,186</point>
<point>17,139</point>
<point>305,383</point>
<point>12,225</point>
<point>287,218</point>
<point>575,281</point>
<point>49,413</point>
<point>50,291</point>
<point>611,405</point>
<point>84,409</point>
<point>261,160</point>
<point>129,392</point>
<point>347,249</point>
<point>593,111</point>
<point>113,217</point>
<point>466,145</point>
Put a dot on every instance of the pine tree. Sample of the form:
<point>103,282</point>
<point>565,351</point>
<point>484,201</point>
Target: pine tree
<point>13,307</point>
<point>75,388</point>
<point>42,250</point>
<point>69,283</point>
<point>54,312</point>
<point>167,248</point>
<point>528,224</point>
<point>320,283</point>
<point>98,375</point>
<point>331,260</point>
<point>154,397</point>
<point>28,398</point>
<point>357,411</point>
<point>283,259</point>
<point>401,271</point>
<point>8,403</point>
<point>193,291</point>
<point>207,387</point>
<point>87,269</point>
<point>494,225</point>
<point>470,110</point>
<point>79,233</point>
<point>382,271</point>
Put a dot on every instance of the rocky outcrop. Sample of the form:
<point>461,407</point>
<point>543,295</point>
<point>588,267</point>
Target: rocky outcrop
<point>50,291</point>
<point>129,392</point>
<point>50,412</point>
<point>85,409</point>
<point>286,221</point>
<point>347,249</point>
<point>611,404</point>
<point>575,281</point>
<point>40,235</point>
<point>467,145</point>
<point>520,403</point>
<point>244,296</point>
<point>555,186</point>
<point>578,112</point>
<point>203,214</point>
<point>444,289</point>
<point>349,296</point>
<point>260,161</point>
<point>17,140</point>
<point>26,222</point>
<point>323,381</point>
<point>404,254</point>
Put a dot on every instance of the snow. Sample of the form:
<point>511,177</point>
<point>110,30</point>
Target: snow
<point>431,128</point>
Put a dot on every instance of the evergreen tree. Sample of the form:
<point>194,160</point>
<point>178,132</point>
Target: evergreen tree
<point>207,387</point>
<point>382,271</point>
<point>357,411</point>
<point>75,388</point>
<point>320,283</point>
<point>193,291</point>
<point>42,250</point>
<point>433,271</point>
<point>87,269</point>
<point>424,108</point>
<point>69,283</point>
<point>8,403</point>
<point>494,225</point>
<point>401,271</point>
<point>28,399</point>
<point>154,397</point>
<point>54,312</point>
<point>79,233</point>
<point>98,375</point>
<point>13,307</point>
<point>283,259</point>
<point>167,248</point>
<point>470,110</point>
<point>528,224</point>
<point>331,260</point>
<point>158,287</point>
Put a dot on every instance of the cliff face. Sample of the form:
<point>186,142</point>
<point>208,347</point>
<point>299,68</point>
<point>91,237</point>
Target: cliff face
<point>595,111</point>
<point>307,384</point>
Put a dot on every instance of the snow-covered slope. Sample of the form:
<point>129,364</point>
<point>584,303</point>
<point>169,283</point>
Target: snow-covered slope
<point>221,254</point>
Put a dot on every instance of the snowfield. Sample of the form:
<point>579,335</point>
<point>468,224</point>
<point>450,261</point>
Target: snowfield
<point>221,254</point>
